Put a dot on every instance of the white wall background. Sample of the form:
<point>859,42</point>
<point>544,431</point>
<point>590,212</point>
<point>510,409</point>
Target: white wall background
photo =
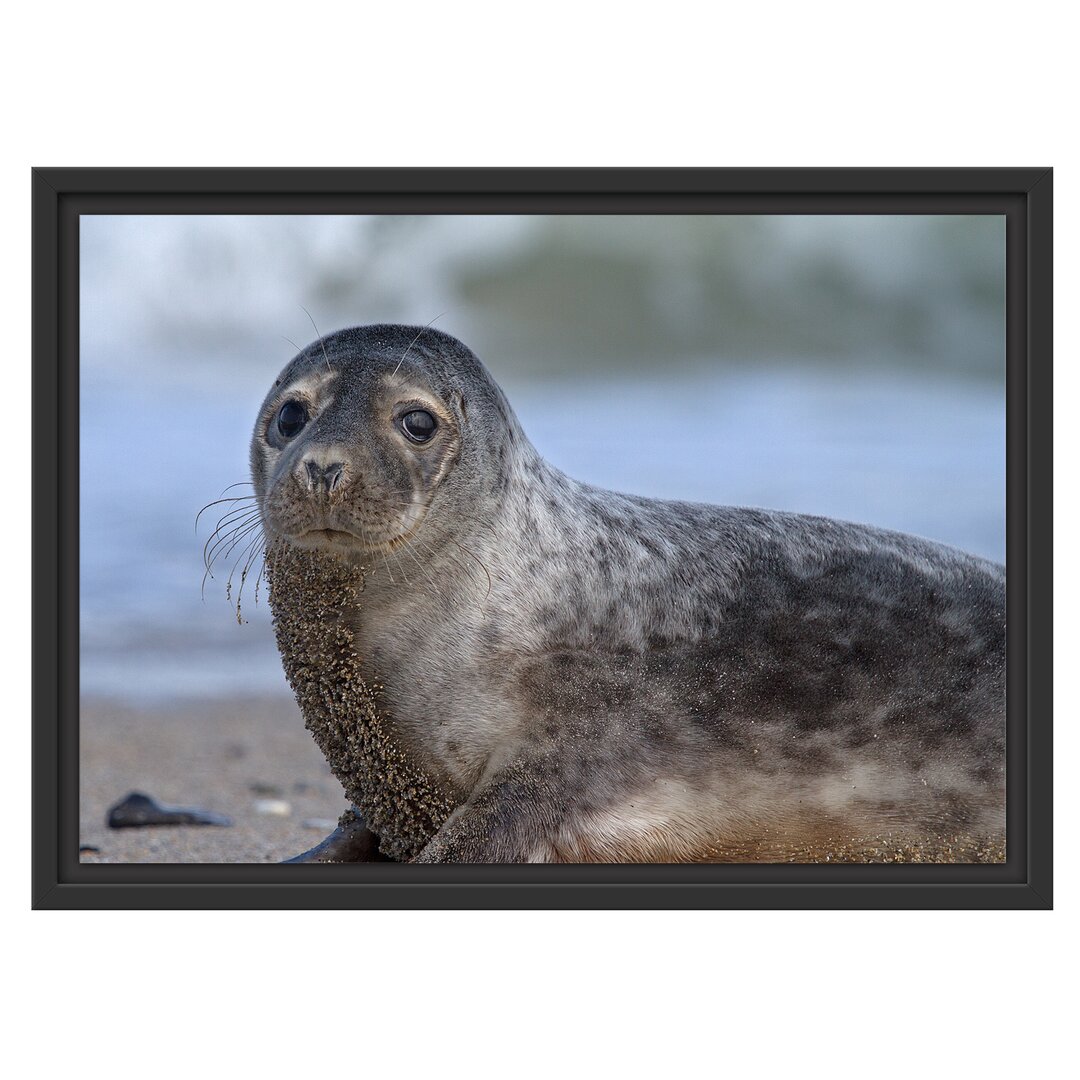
<point>635,994</point>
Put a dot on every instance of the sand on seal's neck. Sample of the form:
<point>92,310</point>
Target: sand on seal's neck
<point>311,595</point>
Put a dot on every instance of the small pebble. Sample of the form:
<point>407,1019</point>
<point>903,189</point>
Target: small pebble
<point>89,849</point>
<point>271,791</point>
<point>273,807</point>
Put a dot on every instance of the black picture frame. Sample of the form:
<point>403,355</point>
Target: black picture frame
<point>1022,195</point>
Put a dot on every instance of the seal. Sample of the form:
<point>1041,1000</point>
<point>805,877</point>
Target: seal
<point>502,664</point>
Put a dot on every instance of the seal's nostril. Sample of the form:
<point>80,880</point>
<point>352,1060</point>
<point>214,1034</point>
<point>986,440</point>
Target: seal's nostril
<point>324,476</point>
<point>332,475</point>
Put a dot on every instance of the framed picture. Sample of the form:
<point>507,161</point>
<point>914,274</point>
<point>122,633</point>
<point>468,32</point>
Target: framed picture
<point>542,538</point>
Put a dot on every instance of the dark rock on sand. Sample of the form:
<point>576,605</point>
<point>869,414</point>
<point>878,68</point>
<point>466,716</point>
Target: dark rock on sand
<point>137,809</point>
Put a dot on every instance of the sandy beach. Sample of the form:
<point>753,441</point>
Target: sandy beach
<point>253,760</point>
<point>249,759</point>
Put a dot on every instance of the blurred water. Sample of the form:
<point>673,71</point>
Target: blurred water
<point>923,455</point>
<point>212,297</point>
<point>847,365</point>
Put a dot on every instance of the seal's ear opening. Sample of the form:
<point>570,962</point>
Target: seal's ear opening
<point>459,397</point>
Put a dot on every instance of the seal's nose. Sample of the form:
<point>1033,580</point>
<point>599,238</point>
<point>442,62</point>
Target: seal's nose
<point>326,477</point>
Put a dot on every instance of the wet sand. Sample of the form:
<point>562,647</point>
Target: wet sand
<point>233,757</point>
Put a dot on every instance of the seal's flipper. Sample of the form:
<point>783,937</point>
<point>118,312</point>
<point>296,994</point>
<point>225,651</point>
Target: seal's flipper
<point>351,841</point>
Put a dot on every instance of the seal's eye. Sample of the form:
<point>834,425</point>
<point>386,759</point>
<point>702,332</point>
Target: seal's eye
<point>418,425</point>
<point>292,417</point>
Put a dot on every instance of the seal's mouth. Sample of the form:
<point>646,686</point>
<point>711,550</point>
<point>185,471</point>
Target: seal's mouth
<point>342,540</point>
<point>326,538</point>
<point>345,531</point>
<point>329,535</point>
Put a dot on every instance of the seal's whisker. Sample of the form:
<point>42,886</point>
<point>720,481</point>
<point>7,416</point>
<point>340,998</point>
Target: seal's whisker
<point>473,555</point>
<point>243,575</point>
<point>377,549</point>
<point>401,569</point>
<point>217,502</point>
<point>367,542</point>
<point>367,539</point>
<point>461,513</point>
<point>221,535</point>
<point>238,534</point>
<point>225,553</point>
<point>427,548</point>
<point>231,515</point>
<point>272,557</point>
<point>318,337</point>
<point>431,551</point>
<point>455,560</point>
<point>226,542</point>
<point>237,513</point>
<point>229,520</point>
<point>420,334</point>
<point>411,504</point>
<point>232,571</point>
<point>211,557</point>
<point>374,548</point>
<point>260,552</point>
<point>247,557</point>
<point>409,551</point>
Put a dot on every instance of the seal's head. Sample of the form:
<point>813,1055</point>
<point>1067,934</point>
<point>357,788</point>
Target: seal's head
<point>368,429</point>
